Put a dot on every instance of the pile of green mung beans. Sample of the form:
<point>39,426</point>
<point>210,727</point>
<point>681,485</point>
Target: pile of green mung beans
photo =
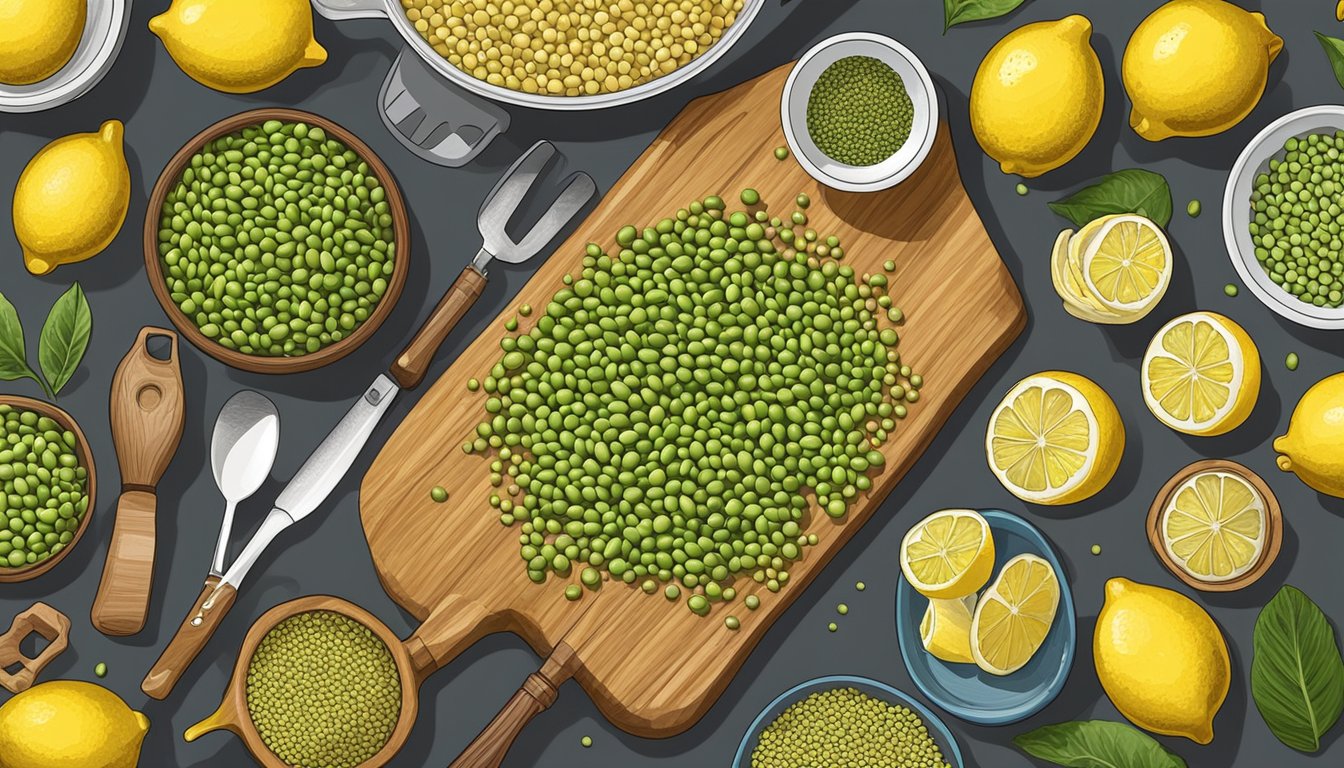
<point>846,727</point>
<point>44,497</point>
<point>1295,219</point>
<point>277,241</point>
<point>859,112</point>
<point>323,691</point>
<point>671,410</point>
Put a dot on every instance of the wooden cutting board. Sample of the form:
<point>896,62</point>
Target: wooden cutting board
<point>652,666</point>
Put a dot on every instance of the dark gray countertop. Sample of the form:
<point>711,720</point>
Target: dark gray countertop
<point>162,108</point>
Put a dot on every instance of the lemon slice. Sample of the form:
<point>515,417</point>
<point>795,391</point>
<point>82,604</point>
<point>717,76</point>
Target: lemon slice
<point>1014,615</point>
<point>946,629</point>
<point>1075,303</point>
<point>1201,374</point>
<point>1214,526</point>
<point>1056,438</point>
<point>1126,265</point>
<point>949,554</point>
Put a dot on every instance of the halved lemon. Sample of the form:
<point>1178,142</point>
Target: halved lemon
<point>1056,438</point>
<point>1201,374</point>
<point>1014,616</point>
<point>1126,265</point>
<point>1214,526</point>
<point>949,554</point>
<point>946,629</point>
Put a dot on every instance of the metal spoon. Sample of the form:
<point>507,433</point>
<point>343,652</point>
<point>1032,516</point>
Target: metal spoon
<point>242,451</point>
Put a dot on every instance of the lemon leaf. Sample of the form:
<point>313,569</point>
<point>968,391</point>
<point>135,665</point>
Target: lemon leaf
<point>1297,676</point>
<point>1334,51</point>
<point>1096,744</point>
<point>65,338</point>
<point>13,354</point>
<point>961,11</point>
<point>1130,191</point>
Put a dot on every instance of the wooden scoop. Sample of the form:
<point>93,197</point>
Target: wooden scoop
<point>436,643</point>
<point>147,417</point>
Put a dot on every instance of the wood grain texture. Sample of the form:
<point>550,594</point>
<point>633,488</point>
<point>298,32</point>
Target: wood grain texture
<point>412,364</point>
<point>52,625</point>
<point>191,637</point>
<point>437,560</point>
<point>122,603</point>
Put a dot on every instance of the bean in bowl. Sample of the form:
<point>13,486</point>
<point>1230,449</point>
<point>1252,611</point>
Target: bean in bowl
<point>277,241</point>
<point>43,488</point>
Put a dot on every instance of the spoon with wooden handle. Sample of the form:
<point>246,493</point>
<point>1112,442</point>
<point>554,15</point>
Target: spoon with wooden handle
<point>147,418</point>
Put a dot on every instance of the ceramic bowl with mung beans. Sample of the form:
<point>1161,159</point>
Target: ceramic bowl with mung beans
<point>46,487</point>
<point>276,241</point>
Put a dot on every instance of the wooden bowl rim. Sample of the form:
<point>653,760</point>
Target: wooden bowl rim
<point>85,455</point>
<point>239,719</point>
<point>1273,524</point>
<point>172,173</point>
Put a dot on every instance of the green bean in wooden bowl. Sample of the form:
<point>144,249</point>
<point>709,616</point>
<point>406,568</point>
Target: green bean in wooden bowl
<point>46,487</point>
<point>276,241</point>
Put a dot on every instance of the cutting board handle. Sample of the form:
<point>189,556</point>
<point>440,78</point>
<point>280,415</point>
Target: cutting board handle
<point>537,695</point>
<point>454,627</point>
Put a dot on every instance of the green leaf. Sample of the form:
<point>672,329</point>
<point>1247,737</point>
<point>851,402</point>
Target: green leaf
<point>1297,677</point>
<point>13,355</point>
<point>1132,191</point>
<point>1334,51</point>
<point>1097,744</point>
<point>961,11</point>
<point>65,338</point>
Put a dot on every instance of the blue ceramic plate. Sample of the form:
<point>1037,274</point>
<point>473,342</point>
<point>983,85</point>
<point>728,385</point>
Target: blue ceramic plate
<point>941,735</point>
<point>962,689</point>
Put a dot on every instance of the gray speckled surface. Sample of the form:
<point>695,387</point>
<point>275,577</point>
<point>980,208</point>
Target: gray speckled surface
<point>162,108</point>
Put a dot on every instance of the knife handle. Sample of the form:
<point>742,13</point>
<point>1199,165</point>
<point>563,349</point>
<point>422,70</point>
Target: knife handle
<point>197,628</point>
<point>410,368</point>
<point>122,601</point>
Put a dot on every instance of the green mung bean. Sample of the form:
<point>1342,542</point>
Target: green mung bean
<point>781,153</point>
<point>1194,208</point>
<point>1295,207</point>
<point>43,488</point>
<point>1231,290</point>
<point>323,691</point>
<point>859,112</point>
<point>277,241</point>
<point>846,727</point>
<point>1291,362</point>
<point>438,493</point>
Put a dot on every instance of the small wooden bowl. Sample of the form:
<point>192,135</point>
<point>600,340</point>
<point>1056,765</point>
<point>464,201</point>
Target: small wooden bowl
<point>1273,525</point>
<point>24,573</point>
<point>233,714</point>
<point>172,174</point>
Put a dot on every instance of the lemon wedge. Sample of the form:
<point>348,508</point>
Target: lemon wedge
<point>239,46</point>
<point>1214,526</point>
<point>1056,438</point>
<point>1201,374</point>
<point>949,554</point>
<point>1014,616</point>
<point>945,629</point>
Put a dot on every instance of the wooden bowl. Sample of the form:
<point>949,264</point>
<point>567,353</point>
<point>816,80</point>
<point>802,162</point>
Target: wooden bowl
<point>24,573</point>
<point>1273,525</point>
<point>172,174</point>
<point>233,714</point>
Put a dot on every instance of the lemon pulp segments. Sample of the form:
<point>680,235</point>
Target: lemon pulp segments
<point>1042,439</point>
<point>949,554</point>
<point>1128,264</point>
<point>1214,526</point>
<point>1014,616</point>
<point>1201,374</point>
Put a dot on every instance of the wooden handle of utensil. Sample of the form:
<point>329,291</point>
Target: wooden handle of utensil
<point>410,368</point>
<point>196,630</point>
<point>122,602</point>
<point>537,695</point>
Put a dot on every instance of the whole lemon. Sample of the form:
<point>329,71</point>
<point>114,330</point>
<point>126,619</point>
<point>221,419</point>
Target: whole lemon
<point>71,200</point>
<point>1196,68</point>
<point>239,46</point>
<point>65,723</point>
<point>1311,449</point>
<point>38,37</point>
<point>1161,659</point>
<point>1036,100</point>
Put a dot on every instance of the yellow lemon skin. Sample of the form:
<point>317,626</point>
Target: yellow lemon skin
<point>65,723</point>
<point>1311,449</point>
<point>38,37</point>
<point>239,46</point>
<point>71,200</point>
<point>1037,98</point>
<point>1196,68</point>
<point>1161,660</point>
